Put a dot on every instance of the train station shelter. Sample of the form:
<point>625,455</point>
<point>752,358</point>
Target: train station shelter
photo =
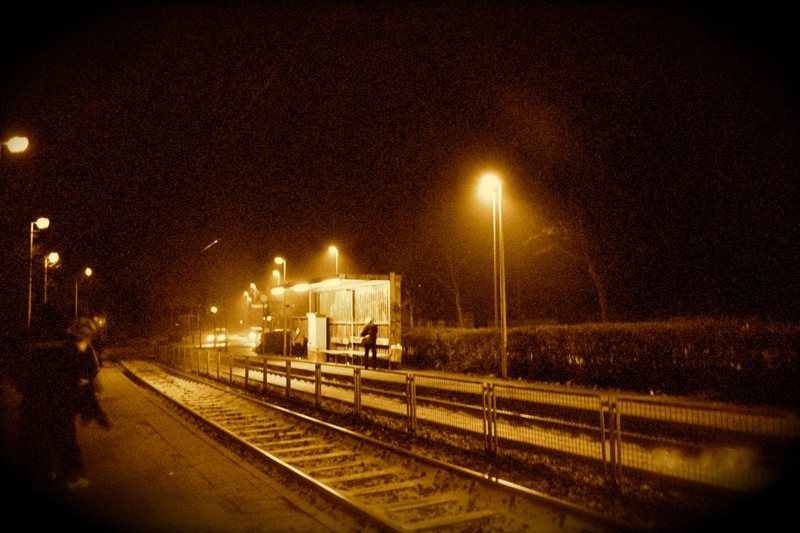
<point>336,310</point>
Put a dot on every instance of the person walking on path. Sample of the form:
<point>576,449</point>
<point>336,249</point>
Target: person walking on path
<point>370,342</point>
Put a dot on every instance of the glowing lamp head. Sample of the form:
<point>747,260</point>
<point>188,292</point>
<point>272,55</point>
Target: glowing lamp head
<point>17,144</point>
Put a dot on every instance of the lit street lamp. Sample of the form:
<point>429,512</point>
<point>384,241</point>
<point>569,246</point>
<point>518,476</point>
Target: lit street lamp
<point>88,273</point>
<point>282,261</point>
<point>334,250</point>
<point>15,145</point>
<point>51,259</point>
<point>491,187</point>
<point>214,331</point>
<point>40,224</point>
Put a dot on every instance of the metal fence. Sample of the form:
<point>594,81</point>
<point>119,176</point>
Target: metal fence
<point>719,445</point>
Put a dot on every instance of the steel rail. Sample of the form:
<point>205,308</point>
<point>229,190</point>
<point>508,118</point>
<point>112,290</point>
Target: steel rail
<point>393,488</point>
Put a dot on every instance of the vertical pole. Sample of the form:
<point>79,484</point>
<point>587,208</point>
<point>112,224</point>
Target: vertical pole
<point>45,280</point>
<point>30,276</point>
<point>283,300</point>
<point>494,263</point>
<point>503,317</point>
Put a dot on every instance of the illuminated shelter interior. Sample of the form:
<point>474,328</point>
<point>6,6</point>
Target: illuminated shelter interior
<point>338,309</point>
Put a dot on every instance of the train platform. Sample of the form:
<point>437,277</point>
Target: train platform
<point>153,472</point>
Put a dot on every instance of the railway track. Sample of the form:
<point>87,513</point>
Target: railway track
<point>391,489</point>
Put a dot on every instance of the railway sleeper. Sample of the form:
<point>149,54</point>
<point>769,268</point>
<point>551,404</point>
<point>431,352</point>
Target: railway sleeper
<point>362,476</point>
<point>305,441</point>
<point>320,457</point>
<point>256,429</point>
<point>334,467</point>
<point>258,441</point>
<point>387,487</point>
<point>241,422</point>
<point>269,435</point>
<point>439,523</point>
<point>298,449</point>
<point>436,501</point>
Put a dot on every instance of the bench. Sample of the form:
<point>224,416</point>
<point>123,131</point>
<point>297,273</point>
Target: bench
<point>393,356</point>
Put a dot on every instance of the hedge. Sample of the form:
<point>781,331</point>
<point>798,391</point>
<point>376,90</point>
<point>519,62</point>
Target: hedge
<point>750,362</point>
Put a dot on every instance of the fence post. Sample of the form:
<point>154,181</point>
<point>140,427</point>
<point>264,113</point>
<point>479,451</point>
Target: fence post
<point>489,417</point>
<point>411,403</point>
<point>288,378</point>
<point>357,390</point>
<point>614,441</point>
<point>317,384</point>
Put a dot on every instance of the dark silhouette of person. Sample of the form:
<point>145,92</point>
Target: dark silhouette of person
<point>54,377</point>
<point>370,342</point>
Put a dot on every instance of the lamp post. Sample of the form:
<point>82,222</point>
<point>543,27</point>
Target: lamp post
<point>277,275</point>
<point>88,273</point>
<point>51,259</point>
<point>214,331</point>
<point>15,145</point>
<point>248,302</point>
<point>491,186</point>
<point>40,224</point>
<point>252,296</point>
<point>264,307</point>
<point>334,250</point>
<point>282,261</point>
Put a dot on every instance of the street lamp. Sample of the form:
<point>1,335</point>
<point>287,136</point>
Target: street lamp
<point>15,145</point>
<point>334,250</point>
<point>492,187</point>
<point>282,261</point>
<point>51,259</point>
<point>88,273</point>
<point>214,331</point>
<point>40,224</point>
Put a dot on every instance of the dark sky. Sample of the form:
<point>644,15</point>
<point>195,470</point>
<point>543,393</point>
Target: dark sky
<point>668,131</point>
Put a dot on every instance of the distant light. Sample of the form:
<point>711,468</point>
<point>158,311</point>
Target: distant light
<point>209,245</point>
<point>300,287</point>
<point>214,310</point>
<point>17,144</point>
<point>88,272</point>
<point>42,223</point>
<point>53,258</point>
<point>277,291</point>
<point>279,260</point>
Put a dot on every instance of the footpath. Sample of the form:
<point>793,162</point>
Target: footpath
<point>152,472</point>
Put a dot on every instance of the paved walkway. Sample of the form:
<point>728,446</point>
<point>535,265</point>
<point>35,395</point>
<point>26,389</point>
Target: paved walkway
<point>151,472</point>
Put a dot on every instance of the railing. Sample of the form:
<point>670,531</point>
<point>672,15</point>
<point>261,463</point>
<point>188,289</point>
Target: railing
<point>719,445</point>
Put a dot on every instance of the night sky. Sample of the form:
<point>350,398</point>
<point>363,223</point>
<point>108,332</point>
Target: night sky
<point>658,139</point>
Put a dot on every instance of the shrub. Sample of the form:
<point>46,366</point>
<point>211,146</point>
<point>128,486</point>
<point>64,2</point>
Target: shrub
<point>750,362</point>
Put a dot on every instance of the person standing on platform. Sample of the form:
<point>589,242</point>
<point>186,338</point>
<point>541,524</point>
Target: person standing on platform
<point>55,381</point>
<point>370,342</point>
